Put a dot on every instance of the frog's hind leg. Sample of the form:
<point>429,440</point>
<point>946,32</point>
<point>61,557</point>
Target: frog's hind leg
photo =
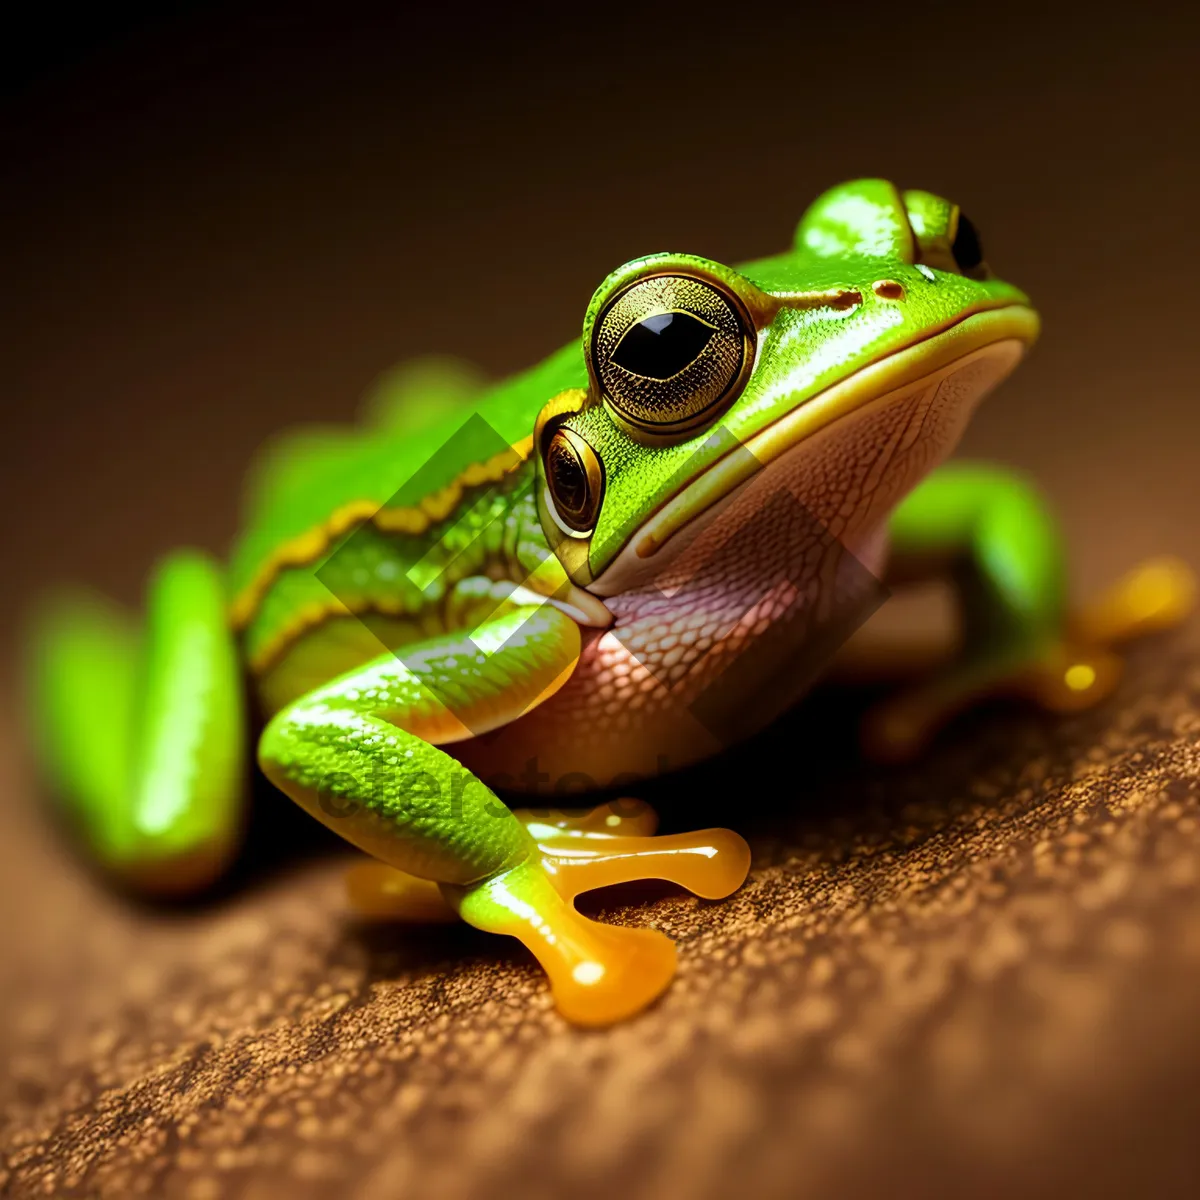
<point>992,533</point>
<point>142,733</point>
<point>359,754</point>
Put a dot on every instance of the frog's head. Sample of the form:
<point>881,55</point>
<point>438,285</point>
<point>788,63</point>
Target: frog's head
<point>700,376</point>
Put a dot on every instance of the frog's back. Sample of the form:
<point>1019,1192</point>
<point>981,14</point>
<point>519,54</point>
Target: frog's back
<point>397,481</point>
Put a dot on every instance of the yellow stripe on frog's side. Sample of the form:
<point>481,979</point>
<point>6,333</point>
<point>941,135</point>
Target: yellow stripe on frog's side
<point>308,617</point>
<point>307,547</point>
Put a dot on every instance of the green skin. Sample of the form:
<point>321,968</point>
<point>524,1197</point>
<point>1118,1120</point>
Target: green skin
<point>143,733</point>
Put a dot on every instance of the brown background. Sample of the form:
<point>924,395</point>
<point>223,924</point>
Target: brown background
<point>981,974</point>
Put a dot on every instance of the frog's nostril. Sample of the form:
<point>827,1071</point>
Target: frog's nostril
<point>888,289</point>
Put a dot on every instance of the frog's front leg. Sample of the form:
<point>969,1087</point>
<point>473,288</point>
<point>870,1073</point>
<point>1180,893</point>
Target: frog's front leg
<point>992,533</point>
<point>359,755</point>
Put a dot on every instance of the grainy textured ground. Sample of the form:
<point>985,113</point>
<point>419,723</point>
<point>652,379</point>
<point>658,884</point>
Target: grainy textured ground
<point>978,975</point>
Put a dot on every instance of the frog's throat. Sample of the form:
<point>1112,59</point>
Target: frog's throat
<point>940,353</point>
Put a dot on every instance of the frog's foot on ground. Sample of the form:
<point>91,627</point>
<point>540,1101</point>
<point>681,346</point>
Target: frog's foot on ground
<point>602,973</point>
<point>612,843</point>
<point>598,973</point>
<point>1073,673</point>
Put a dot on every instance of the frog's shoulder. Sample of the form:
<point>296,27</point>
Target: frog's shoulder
<point>406,469</point>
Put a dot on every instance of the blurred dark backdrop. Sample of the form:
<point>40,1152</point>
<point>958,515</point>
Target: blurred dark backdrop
<point>218,219</point>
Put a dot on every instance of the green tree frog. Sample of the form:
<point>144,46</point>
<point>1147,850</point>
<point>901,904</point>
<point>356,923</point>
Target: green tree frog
<point>569,580</point>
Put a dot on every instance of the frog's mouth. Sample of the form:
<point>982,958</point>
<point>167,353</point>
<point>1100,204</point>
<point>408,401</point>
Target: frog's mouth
<point>1002,334</point>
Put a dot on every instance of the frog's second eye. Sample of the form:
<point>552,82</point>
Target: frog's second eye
<point>967,249</point>
<point>575,480</point>
<point>669,350</point>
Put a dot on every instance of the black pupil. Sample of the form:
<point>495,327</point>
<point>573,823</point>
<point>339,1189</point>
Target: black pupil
<point>967,249</point>
<point>568,480</point>
<point>660,346</point>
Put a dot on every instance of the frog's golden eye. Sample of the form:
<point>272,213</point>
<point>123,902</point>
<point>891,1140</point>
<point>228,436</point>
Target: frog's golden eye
<point>575,480</point>
<point>670,350</point>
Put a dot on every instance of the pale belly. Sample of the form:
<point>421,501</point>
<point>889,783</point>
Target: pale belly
<point>750,608</point>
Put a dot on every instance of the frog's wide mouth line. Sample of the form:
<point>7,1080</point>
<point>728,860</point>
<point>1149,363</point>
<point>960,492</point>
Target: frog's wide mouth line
<point>939,352</point>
